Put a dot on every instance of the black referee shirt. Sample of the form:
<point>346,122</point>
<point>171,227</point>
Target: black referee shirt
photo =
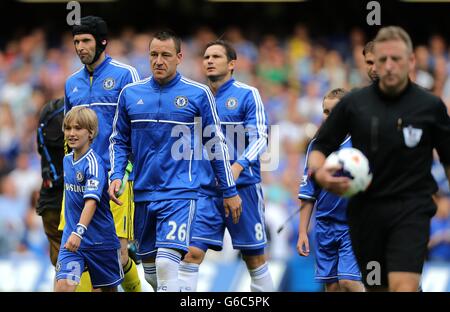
<point>397,134</point>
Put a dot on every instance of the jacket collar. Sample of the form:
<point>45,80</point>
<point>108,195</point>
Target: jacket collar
<point>171,83</point>
<point>387,97</point>
<point>225,86</point>
<point>100,67</point>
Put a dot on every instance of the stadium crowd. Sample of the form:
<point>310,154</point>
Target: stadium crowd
<point>292,74</point>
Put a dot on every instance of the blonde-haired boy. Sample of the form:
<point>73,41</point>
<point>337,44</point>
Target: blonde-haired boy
<point>89,237</point>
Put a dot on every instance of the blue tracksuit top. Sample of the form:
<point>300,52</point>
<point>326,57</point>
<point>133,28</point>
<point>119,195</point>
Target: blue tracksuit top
<point>162,127</point>
<point>244,124</point>
<point>108,80</point>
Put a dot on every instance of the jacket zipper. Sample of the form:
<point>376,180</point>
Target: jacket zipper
<point>159,104</point>
<point>91,82</point>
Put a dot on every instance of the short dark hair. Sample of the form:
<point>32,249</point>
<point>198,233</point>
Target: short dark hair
<point>167,34</point>
<point>368,48</point>
<point>229,50</point>
<point>337,93</point>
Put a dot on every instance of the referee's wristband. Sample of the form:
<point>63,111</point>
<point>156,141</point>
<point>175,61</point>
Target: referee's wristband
<point>80,230</point>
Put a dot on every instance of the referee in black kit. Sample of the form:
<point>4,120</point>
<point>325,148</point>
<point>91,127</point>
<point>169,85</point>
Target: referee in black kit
<point>396,124</point>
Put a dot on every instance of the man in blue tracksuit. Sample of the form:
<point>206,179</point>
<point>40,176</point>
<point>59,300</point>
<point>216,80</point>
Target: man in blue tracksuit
<point>156,121</point>
<point>97,85</point>
<point>244,122</point>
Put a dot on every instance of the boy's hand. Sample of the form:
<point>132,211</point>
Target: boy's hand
<point>303,245</point>
<point>73,243</point>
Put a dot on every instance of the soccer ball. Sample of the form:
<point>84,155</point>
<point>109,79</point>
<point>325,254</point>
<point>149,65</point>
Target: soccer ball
<point>355,165</point>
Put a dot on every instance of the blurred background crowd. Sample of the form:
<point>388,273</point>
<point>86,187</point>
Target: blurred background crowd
<point>292,71</point>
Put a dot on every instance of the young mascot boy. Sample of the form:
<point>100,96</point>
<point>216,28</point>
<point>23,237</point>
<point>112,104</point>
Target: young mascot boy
<point>89,237</point>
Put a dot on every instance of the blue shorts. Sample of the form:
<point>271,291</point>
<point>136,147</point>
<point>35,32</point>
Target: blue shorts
<point>248,234</point>
<point>334,254</point>
<point>209,225</point>
<point>163,224</point>
<point>103,265</point>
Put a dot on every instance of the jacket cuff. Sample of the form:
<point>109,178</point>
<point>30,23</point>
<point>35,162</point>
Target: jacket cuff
<point>244,163</point>
<point>229,192</point>
<point>116,176</point>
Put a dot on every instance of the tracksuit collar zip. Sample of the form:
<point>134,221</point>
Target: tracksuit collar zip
<point>225,86</point>
<point>100,67</point>
<point>171,83</point>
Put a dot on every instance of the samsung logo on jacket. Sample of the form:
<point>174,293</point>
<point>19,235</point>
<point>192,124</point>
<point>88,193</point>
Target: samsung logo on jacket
<point>75,188</point>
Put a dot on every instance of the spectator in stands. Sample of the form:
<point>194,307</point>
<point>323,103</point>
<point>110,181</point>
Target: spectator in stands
<point>12,212</point>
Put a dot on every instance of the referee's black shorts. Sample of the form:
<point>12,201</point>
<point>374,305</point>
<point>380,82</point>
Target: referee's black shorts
<point>392,232</point>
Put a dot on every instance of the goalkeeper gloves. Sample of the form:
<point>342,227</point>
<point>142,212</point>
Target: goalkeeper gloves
<point>128,170</point>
